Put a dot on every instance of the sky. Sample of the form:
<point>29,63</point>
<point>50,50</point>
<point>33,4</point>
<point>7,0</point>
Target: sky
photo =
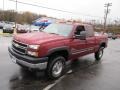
<point>82,9</point>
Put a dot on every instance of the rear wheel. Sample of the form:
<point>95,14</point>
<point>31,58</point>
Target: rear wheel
<point>55,67</point>
<point>99,54</point>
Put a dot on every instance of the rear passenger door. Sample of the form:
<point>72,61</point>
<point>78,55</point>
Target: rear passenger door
<point>90,39</point>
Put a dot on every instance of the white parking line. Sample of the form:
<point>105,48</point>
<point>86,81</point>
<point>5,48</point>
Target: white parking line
<point>49,86</point>
<point>53,84</point>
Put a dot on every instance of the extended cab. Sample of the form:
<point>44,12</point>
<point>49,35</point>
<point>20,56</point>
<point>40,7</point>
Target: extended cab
<point>56,45</point>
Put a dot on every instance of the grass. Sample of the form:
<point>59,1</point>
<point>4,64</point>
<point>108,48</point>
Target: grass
<point>5,34</point>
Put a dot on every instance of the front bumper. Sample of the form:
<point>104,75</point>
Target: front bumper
<point>8,30</point>
<point>27,61</point>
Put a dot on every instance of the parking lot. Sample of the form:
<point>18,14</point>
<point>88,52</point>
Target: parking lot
<point>84,74</point>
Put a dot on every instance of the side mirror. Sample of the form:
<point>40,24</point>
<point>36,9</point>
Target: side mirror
<point>82,35</point>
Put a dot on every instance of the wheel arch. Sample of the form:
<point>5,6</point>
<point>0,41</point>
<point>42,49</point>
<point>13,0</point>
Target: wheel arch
<point>63,51</point>
<point>103,44</point>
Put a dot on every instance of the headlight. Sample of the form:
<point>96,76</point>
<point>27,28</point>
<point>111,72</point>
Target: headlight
<point>35,47</point>
<point>33,50</point>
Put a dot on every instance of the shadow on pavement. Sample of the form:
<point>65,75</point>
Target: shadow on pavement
<point>28,80</point>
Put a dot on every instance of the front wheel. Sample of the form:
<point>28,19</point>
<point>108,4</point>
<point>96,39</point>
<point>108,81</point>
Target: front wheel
<point>56,67</point>
<point>99,54</point>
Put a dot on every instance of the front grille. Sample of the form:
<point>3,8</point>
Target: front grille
<point>21,44</point>
<point>19,47</point>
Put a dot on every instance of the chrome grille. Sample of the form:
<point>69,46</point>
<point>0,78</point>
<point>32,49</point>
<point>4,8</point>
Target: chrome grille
<point>19,47</point>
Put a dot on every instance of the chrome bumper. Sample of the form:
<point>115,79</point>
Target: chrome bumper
<point>40,66</point>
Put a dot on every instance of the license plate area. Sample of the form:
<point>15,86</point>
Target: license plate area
<point>13,59</point>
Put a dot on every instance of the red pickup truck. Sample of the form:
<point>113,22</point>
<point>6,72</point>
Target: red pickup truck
<point>55,46</point>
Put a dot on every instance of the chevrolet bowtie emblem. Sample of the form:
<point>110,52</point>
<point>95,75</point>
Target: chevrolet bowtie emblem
<point>16,45</point>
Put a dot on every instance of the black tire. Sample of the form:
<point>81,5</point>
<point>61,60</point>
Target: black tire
<point>99,54</point>
<point>3,31</point>
<point>113,38</point>
<point>51,65</point>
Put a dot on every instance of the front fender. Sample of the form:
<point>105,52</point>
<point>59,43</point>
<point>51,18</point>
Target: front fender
<point>56,49</point>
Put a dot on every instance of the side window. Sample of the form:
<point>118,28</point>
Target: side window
<point>79,29</point>
<point>89,30</point>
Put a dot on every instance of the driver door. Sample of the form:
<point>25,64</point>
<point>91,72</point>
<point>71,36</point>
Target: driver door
<point>78,46</point>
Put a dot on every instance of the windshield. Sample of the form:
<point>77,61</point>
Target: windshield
<point>8,26</point>
<point>60,29</point>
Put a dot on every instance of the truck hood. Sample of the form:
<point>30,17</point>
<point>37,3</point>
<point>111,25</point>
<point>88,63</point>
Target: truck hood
<point>37,38</point>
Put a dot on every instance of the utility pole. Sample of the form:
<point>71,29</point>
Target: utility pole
<point>3,4</point>
<point>15,28</point>
<point>107,11</point>
<point>3,10</point>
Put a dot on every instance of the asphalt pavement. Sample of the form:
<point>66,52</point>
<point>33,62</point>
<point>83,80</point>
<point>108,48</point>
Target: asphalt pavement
<point>84,74</point>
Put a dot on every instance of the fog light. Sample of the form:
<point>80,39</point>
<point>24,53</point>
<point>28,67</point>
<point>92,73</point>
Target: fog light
<point>32,53</point>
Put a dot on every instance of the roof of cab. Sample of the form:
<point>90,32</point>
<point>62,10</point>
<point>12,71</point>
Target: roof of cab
<point>73,22</point>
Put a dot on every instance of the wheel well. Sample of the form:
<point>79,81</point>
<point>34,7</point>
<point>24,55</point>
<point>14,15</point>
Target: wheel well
<point>103,45</point>
<point>63,53</point>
